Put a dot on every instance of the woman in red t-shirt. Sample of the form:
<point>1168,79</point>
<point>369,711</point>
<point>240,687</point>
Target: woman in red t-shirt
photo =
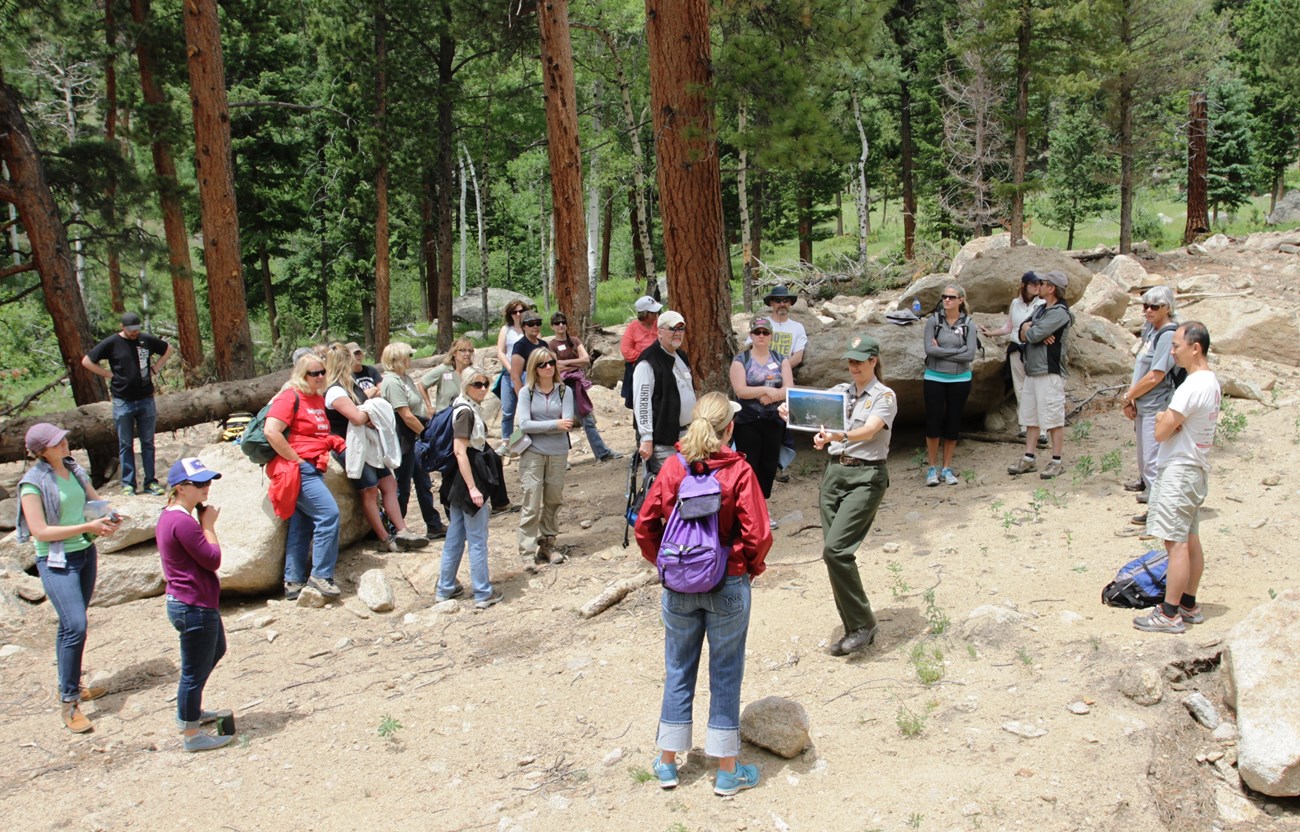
<point>298,430</point>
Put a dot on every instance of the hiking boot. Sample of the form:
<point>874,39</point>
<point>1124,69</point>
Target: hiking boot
<point>75,719</point>
<point>455,593</point>
<point>407,540</point>
<point>505,509</point>
<point>855,641</point>
<point>1135,485</point>
<point>782,476</point>
<point>1157,622</point>
<point>1024,465</point>
<point>92,692</point>
<point>325,586</point>
<point>292,591</point>
<point>437,532</point>
<point>1139,519</point>
<point>728,783</point>
<point>949,477</point>
<point>1191,616</point>
<point>611,456</point>
<point>1052,470</point>
<point>665,772</point>
<point>155,489</point>
<point>554,554</point>
<point>491,601</point>
<point>1143,497</point>
<point>931,476</point>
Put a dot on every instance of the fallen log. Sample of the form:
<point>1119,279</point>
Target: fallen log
<point>616,592</point>
<point>91,425</point>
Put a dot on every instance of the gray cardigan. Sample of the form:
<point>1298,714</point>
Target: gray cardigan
<point>537,414</point>
<point>956,350</point>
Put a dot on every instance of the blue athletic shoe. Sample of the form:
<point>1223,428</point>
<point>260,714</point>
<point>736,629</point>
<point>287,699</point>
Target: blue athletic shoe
<point>932,476</point>
<point>666,772</point>
<point>728,783</point>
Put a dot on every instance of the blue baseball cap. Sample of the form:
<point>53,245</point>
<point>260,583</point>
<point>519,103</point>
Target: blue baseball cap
<point>190,469</point>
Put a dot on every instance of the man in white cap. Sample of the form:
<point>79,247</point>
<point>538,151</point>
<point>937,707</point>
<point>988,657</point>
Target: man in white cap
<point>131,373</point>
<point>663,392</point>
<point>1042,407</point>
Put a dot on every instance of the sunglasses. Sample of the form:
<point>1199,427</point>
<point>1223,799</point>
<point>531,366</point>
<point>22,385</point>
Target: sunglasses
<point>532,323</point>
<point>559,322</point>
<point>760,332</point>
<point>195,484</point>
<point>544,364</point>
<point>1147,307</point>
<point>478,385</point>
<point>315,373</point>
<point>678,328</point>
<point>951,297</point>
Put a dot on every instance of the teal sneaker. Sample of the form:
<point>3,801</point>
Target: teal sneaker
<point>949,477</point>
<point>728,783</point>
<point>155,489</point>
<point>128,491</point>
<point>666,772</point>
<point>932,476</point>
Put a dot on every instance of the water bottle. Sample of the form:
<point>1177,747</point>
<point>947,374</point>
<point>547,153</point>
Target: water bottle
<point>916,307</point>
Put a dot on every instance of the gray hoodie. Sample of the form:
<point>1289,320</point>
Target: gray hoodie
<point>956,349</point>
<point>1047,359</point>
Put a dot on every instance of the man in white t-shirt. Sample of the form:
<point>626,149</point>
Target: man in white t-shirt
<point>790,339</point>
<point>1185,432</point>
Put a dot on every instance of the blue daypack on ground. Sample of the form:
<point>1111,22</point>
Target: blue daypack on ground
<point>692,557</point>
<point>435,449</point>
<point>1139,583</point>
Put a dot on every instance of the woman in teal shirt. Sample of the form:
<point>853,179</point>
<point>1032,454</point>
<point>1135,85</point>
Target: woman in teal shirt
<point>52,512</point>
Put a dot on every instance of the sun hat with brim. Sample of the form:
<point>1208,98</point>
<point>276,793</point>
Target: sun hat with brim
<point>190,469</point>
<point>780,292</point>
<point>862,347</point>
<point>645,303</point>
<point>670,319</point>
<point>43,435</point>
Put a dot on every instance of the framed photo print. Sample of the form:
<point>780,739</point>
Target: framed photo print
<point>812,409</point>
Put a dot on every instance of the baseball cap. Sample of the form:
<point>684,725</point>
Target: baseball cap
<point>1030,277</point>
<point>761,322</point>
<point>190,469</point>
<point>670,319</point>
<point>862,347</point>
<point>352,347</point>
<point>43,435</point>
<point>1057,279</point>
<point>131,322</point>
<point>645,303</point>
<point>530,317</point>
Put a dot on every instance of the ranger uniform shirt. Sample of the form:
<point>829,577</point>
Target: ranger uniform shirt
<point>876,400</point>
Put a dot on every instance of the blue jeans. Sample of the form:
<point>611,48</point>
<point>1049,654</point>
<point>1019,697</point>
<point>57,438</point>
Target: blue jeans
<point>722,617</point>
<point>203,643</point>
<point>135,420</point>
<point>315,522</point>
<point>423,484</point>
<point>69,590</point>
<point>598,446</point>
<point>463,528</point>
<point>509,400</point>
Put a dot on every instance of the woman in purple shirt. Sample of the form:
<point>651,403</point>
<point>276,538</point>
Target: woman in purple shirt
<point>190,559</point>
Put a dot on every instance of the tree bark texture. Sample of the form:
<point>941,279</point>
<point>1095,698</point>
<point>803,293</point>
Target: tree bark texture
<point>29,191</point>
<point>570,237</point>
<point>606,230</point>
<point>742,192</point>
<point>863,194</point>
<point>232,343</point>
<point>446,102</point>
<point>91,425</point>
<point>803,212</point>
<point>903,13</point>
<point>1020,143</point>
<point>634,219</point>
<point>382,264</point>
<point>1198,163</point>
<point>690,182</point>
<point>428,248</point>
<point>110,137</point>
<point>1126,163</point>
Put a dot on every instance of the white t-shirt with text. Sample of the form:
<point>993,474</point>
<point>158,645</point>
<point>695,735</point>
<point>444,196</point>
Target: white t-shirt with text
<point>1197,399</point>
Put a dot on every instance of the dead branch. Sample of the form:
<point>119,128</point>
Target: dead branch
<point>616,592</point>
<point>34,396</point>
<point>1099,391</point>
<point>24,293</point>
<point>19,269</point>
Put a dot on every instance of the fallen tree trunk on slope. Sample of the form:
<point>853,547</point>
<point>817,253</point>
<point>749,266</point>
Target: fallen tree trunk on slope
<point>91,425</point>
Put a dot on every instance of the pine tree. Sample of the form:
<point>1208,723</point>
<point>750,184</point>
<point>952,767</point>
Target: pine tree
<point>1081,169</point>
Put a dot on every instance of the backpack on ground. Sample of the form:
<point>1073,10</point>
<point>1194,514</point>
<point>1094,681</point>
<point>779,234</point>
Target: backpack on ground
<point>253,441</point>
<point>1139,583</point>
<point>435,450</point>
<point>1176,374</point>
<point>692,557</point>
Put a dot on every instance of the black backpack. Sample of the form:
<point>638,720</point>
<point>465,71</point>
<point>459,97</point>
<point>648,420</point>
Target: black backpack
<point>1177,375</point>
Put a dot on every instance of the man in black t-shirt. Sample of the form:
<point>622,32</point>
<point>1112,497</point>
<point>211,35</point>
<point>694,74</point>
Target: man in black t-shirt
<point>366,376</point>
<point>128,353</point>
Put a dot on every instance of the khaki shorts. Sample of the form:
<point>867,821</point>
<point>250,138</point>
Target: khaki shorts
<point>1173,512</point>
<point>1042,402</point>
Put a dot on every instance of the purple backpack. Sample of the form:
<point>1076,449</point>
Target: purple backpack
<point>692,557</point>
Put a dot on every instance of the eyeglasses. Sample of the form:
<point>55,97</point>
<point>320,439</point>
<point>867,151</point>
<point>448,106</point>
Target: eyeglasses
<point>678,328</point>
<point>760,332</point>
<point>469,350</point>
<point>1147,307</point>
<point>315,373</point>
<point>544,364</point>
<point>478,385</point>
<point>951,297</point>
<point>779,300</point>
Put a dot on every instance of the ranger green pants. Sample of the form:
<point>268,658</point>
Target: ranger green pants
<point>849,499</point>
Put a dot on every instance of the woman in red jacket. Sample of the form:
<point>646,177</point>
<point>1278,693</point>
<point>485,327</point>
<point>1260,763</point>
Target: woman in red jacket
<point>721,615</point>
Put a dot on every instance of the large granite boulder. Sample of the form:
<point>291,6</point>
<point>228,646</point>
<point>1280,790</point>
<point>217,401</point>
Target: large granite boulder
<point>1127,272</point>
<point>1287,209</point>
<point>975,248</point>
<point>128,575</point>
<point>1098,347</point>
<point>1104,298</point>
<point>1249,327</point>
<point>469,308</point>
<point>1260,685</point>
<point>992,279</point>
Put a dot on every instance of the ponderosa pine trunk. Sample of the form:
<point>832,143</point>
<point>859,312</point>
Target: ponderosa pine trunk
<point>446,72</point>
<point>173,215</point>
<point>428,248</point>
<point>1198,163</point>
<point>232,344</point>
<point>690,182</point>
<point>382,266</point>
<point>1020,143</point>
<point>803,212</point>
<point>742,192</point>
<point>572,292</point>
<point>1125,167</point>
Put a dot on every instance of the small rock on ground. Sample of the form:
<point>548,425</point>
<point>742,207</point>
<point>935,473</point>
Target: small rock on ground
<point>1024,729</point>
<point>780,725</point>
<point>1142,684</point>
<point>1203,710</point>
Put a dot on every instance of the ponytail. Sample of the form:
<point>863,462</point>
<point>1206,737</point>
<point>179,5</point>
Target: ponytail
<point>710,418</point>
